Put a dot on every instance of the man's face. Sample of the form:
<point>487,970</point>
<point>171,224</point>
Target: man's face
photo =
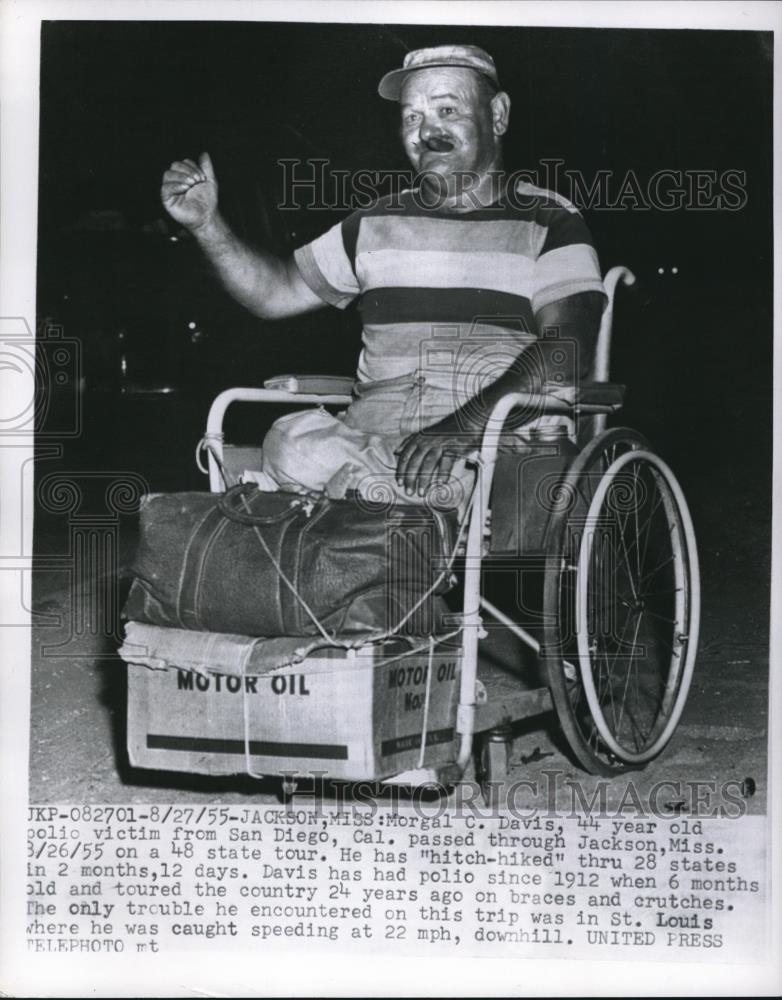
<point>447,125</point>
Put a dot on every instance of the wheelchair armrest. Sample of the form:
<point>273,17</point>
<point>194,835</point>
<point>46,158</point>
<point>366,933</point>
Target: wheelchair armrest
<point>326,385</point>
<point>316,389</point>
<point>590,398</point>
<point>602,394</point>
<point>337,391</point>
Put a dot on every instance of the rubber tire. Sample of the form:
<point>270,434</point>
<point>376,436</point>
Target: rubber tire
<point>550,656</point>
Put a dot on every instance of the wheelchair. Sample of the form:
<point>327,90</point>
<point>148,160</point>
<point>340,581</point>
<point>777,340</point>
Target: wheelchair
<point>614,646</point>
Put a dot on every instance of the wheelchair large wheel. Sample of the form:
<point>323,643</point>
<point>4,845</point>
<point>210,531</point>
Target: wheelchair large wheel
<point>621,604</point>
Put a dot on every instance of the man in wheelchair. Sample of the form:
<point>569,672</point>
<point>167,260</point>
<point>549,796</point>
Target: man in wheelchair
<point>481,300</point>
<point>471,285</point>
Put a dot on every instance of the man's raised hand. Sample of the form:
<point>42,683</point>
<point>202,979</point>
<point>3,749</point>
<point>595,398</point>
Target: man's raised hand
<point>189,192</point>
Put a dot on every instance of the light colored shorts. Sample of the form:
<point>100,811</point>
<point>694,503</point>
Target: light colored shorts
<point>316,451</point>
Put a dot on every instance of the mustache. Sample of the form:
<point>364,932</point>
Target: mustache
<point>439,144</point>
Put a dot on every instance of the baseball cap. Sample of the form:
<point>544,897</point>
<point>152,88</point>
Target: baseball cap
<point>466,56</point>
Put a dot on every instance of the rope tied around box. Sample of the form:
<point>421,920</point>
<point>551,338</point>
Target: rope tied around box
<point>228,508</point>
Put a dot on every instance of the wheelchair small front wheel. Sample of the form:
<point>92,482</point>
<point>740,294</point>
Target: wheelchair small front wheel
<point>621,604</point>
<point>493,765</point>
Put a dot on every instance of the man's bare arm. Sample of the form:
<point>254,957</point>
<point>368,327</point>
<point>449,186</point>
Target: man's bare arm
<point>433,451</point>
<point>267,286</point>
<point>573,321</point>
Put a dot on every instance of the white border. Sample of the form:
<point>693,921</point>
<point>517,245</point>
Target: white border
<point>198,975</point>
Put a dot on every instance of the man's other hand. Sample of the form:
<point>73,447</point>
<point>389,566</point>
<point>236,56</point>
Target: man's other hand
<point>427,457</point>
<point>189,192</point>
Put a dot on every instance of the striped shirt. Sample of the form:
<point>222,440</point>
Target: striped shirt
<point>438,290</point>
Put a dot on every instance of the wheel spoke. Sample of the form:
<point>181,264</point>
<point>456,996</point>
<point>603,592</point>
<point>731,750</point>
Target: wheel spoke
<point>658,593</point>
<point>637,535</point>
<point>663,618</point>
<point>610,690</point>
<point>637,690</point>
<point>627,676</point>
<point>641,732</point>
<point>648,525</point>
<point>610,674</point>
<point>637,732</point>
<point>657,568</point>
<point>625,552</point>
<point>664,641</point>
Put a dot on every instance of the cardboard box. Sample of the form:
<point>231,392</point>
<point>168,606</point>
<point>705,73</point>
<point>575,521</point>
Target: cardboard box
<point>356,714</point>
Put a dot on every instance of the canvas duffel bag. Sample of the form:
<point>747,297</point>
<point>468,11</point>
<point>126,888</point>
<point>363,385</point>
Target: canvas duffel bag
<point>212,562</point>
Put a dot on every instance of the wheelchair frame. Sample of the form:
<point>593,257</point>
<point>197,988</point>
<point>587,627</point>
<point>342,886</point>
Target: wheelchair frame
<point>599,748</point>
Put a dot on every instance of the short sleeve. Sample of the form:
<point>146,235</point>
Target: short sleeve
<point>567,263</point>
<point>326,267</point>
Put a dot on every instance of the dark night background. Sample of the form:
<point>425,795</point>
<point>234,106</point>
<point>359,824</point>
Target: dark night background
<point>120,101</point>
